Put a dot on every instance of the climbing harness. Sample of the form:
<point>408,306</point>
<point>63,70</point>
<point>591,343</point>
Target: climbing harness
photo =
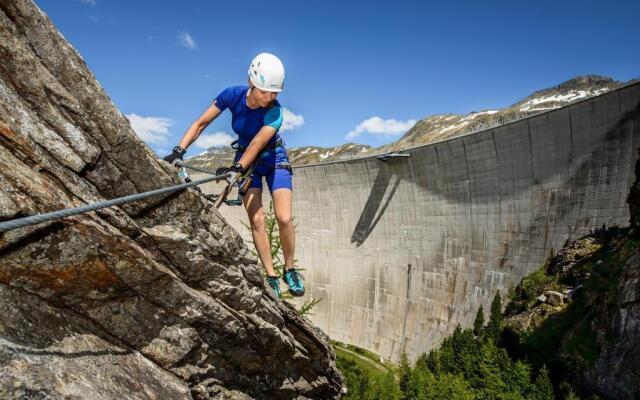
<point>264,152</point>
<point>242,179</point>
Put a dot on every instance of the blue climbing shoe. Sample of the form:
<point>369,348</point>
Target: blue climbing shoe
<point>294,280</point>
<point>275,285</point>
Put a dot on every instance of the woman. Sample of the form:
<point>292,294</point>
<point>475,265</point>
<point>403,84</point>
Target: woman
<point>257,118</point>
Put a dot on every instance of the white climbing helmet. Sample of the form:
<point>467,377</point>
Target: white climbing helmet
<point>267,72</point>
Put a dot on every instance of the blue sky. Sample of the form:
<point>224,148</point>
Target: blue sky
<point>377,65</point>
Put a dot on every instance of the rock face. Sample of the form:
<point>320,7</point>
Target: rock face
<point>608,301</point>
<point>554,298</point>
<point>615,373</point>
<point>634,201</point>
<point>156,299</point>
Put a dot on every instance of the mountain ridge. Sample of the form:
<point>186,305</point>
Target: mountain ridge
<point>438,127</point>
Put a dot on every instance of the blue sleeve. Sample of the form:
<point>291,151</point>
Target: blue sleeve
<point>273,118</point>
<point>226,98</point>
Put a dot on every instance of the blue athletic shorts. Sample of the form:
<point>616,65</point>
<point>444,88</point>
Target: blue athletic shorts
<point>277,178</point>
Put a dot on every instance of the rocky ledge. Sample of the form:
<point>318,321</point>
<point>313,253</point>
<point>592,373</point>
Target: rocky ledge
<point>580,312</point>
<point>158,299</point>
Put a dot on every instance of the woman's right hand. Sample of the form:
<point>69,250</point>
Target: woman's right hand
<point>175,156</point>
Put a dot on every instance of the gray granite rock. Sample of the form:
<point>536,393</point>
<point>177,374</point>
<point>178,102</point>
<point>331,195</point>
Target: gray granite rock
<point>615,374</point>
<point>155,299</point>
<point>554,298</point>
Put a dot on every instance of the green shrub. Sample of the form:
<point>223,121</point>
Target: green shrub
<point>364,381</point>
<point>533,285</point>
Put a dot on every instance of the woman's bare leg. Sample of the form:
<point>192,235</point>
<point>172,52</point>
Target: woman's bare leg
<point>253,204</point>
<point>282,199</point>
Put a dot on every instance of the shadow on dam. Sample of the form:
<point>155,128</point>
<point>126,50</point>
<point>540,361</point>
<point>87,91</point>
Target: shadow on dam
<point>376,204</point>
<point>391,172</point>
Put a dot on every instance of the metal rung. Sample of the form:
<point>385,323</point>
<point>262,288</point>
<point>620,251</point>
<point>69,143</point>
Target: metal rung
<point>385,157</point>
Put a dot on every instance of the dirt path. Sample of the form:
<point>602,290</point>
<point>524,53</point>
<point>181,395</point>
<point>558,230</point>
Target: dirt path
<point>370,361</point>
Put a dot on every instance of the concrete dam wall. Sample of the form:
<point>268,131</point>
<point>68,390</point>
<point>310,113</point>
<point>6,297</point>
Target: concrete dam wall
<point>402,251</point>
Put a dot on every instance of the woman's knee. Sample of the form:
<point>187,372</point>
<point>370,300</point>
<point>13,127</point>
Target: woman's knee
<point>257,220</point>
<point>283,219</point>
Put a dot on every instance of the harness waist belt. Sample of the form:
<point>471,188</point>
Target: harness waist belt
<point>278,143</point>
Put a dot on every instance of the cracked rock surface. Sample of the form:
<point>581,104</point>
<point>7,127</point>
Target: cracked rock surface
<point>157,299</point>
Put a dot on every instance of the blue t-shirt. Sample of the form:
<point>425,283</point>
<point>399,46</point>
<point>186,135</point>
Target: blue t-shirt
<point>246,122</point>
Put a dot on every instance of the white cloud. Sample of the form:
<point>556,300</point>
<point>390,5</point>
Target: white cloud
<point>218,139</point>
<point>379,126</point>
<point>290,121</point>
<point>91,2</point>
<point>187,41</point>
<point>152,130</point>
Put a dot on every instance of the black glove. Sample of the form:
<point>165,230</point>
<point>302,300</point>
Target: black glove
<point>237,167</point>
<point>175,156</point>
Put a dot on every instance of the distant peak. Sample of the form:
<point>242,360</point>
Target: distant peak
<point>590,81</point>
<point>586,82</point>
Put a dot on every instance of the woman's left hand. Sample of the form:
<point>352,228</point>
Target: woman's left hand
<point>237,167</point>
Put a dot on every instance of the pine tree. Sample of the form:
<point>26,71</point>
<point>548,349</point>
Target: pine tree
<point>405,374</point>
<point>388,388</point>
<point>449,386</point>
<point>543,389</point>
<point>381,387</point>
<point>421,378</point>
<point>495,320</point>
<point>478,324</point>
